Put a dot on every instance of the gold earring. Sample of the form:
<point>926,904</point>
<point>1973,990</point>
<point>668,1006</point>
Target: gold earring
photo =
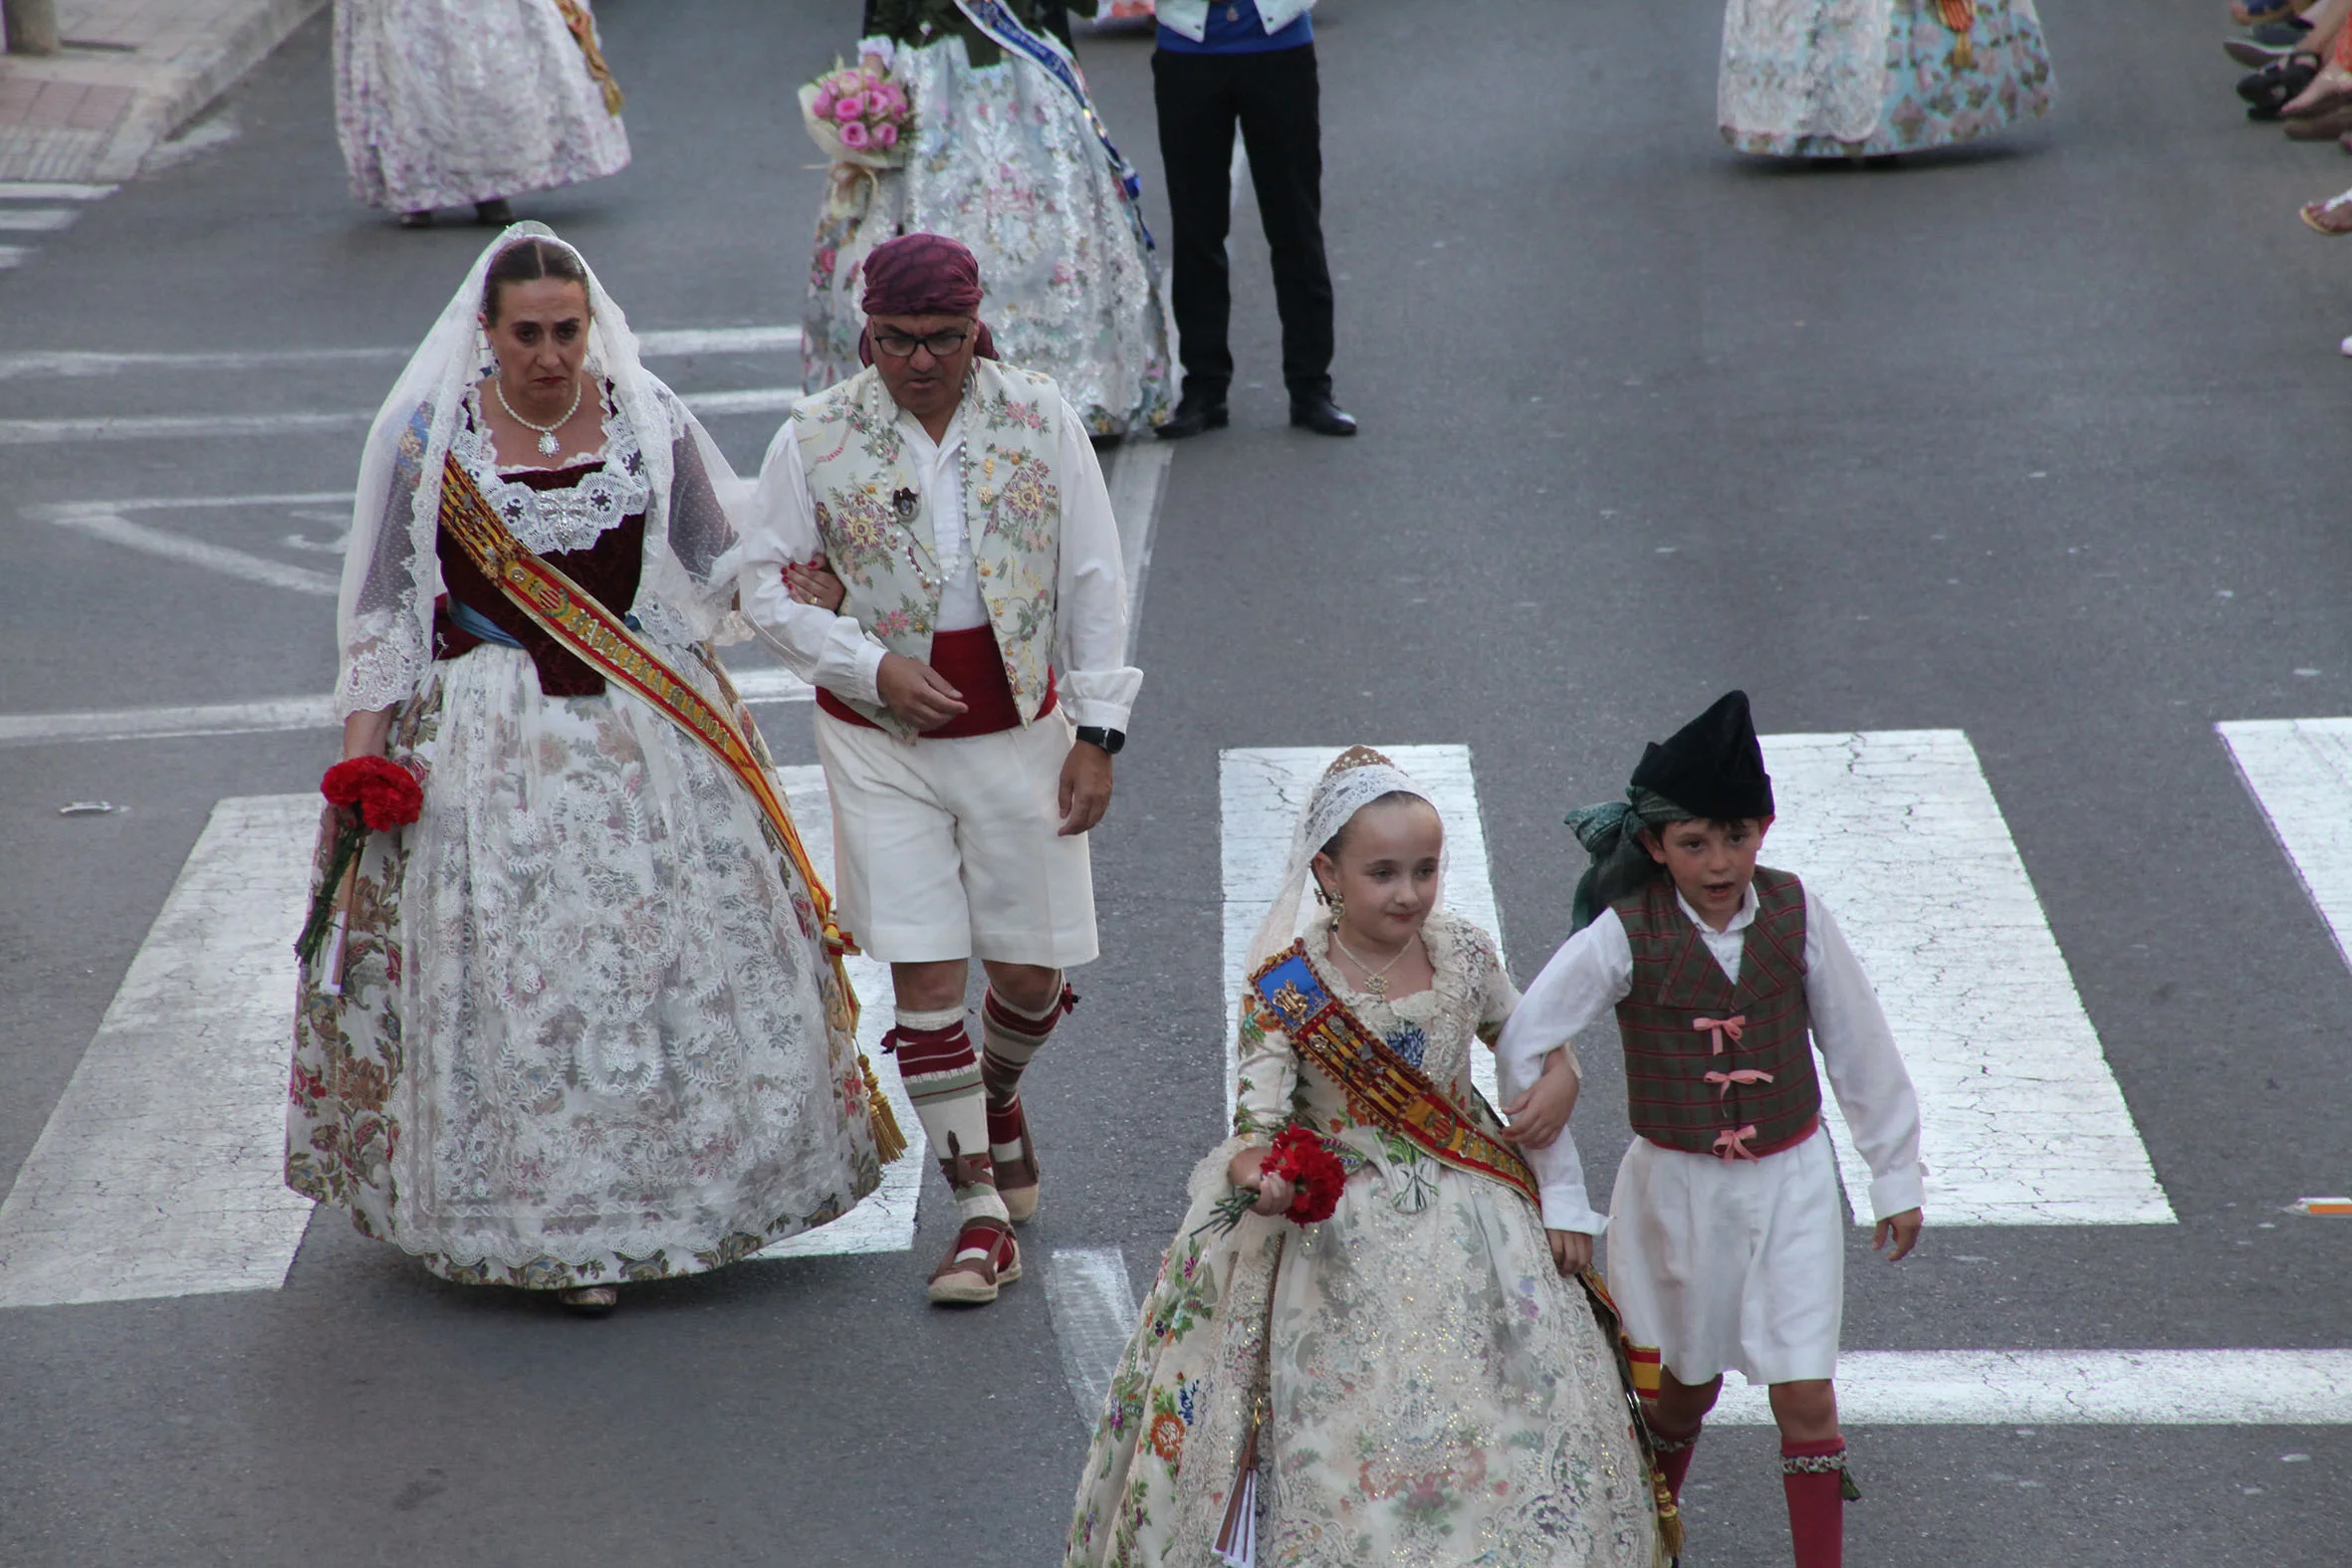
<point>1338,908</point>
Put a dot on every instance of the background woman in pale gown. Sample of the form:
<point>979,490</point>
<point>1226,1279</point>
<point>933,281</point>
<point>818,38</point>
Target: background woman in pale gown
<point>458,103</point>
<point>587,1030</point>
<point>1836,78</point>
<point>1438,1390</point>
<point>1004,160</point>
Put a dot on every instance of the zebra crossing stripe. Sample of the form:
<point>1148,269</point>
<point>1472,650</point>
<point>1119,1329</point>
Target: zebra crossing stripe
<point>2076,1388</point>
<point>2024,1123</point>
<point>1092,1307</point>
<point>160,1172</point>
<point>2300,772</point>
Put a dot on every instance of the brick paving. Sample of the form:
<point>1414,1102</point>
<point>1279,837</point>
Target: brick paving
<point>131,72</point>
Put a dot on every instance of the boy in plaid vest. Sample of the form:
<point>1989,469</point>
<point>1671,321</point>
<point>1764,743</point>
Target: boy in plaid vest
<point>1727,1246</point>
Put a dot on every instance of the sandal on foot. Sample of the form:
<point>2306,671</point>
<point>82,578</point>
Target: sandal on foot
<point>2331,84</point>
<point>2333,217</point>
<point>2269,90</point>
<point>591,1301</point>
<point>1017,1178</point>
<point>984,1256</point>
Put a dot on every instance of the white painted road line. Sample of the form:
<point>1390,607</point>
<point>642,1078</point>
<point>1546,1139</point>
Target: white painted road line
<point>2300,772</point>
<point>885,1222</point>
<point>100,521</point>
<point>36,220</point>
<point>654,344</point>
<point>52,190</point>
<point>2075,1387</point>
<point>1262,789</point>
<point>160,1172</point>
<point>2024,1122</point>
<point>13,255</point>
<point>1093,1308</point>
<point>183,427</point>
<point>1138,482</point>
<point>272,715</point>
<point>155,724</point>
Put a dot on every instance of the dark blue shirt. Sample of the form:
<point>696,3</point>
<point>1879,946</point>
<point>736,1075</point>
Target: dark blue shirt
<point>1235,28</point>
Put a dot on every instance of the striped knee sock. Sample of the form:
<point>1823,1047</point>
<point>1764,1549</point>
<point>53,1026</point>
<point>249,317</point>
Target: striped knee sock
<point>941,1072</point>
<point>1011,1038</point>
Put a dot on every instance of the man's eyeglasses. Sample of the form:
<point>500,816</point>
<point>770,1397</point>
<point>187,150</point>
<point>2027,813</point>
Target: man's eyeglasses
<point>900,346</point>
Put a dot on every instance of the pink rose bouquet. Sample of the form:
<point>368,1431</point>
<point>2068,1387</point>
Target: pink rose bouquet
<point>858,117</point>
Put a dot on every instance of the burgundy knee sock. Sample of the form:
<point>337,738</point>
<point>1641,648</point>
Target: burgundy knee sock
<point>1813,1476</point>
<point>1674,1454</point>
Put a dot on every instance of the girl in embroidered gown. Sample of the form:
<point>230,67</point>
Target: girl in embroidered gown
<point>1436,1389</point>
<point>1833,78</point>
<point>1007,157</point>
<point>587,1028</point>
<point>450,103</point>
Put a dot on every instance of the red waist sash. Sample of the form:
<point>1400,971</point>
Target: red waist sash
<point>969,661</point>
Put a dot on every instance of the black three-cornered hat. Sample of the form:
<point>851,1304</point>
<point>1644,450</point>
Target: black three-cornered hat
<point>1713,765</point>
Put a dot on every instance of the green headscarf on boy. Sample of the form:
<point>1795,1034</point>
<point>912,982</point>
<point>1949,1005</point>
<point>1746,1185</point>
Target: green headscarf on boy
<point>1712,768</point>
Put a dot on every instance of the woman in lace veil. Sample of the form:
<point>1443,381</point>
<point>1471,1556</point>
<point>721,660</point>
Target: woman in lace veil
<point>584,1030</point>
<point>1435,1389</point>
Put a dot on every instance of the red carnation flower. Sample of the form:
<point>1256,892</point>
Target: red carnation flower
<point>385,794</point>
<point>1312,1168</point>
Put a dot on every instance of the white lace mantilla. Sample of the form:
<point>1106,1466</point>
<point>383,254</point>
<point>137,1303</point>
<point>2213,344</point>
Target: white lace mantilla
<point>572,517</point>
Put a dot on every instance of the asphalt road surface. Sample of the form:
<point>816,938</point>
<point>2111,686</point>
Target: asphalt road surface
<point>2032,446</point>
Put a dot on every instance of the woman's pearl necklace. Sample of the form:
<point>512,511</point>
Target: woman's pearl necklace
<point>549,446</point>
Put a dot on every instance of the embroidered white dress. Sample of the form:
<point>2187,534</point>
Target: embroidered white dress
<point>587,1029</point>
<point>1439,1395</point>
<point>446,103</point>
<point>1004,161</point>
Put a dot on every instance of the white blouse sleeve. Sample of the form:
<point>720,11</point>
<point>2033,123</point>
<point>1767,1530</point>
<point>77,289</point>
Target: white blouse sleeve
<point>1866,1071</point>
<point>1090,591</point>
<point>1590,974</point>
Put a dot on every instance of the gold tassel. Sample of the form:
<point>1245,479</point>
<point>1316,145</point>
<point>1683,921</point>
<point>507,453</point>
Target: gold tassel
<point>889,1141</point>
<point>584,33</point>
<point>1670,1535</point>
<point>1960,16</point>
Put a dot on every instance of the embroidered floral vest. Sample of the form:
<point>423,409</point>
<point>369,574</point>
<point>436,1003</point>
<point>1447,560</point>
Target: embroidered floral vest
<point>1710,1068</point>
<point>876,526</point>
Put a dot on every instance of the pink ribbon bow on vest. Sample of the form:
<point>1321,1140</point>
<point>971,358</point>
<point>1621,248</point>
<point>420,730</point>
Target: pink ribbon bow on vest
<point>1724,1080</point>
<point>1733,1145</point>
<point>1734,1026</point>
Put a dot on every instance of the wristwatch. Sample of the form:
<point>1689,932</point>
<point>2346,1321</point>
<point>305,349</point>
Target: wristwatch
<point>1109,739</point>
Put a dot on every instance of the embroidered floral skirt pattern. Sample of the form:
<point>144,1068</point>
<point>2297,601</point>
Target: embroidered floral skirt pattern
<point>445,102</point>
<point>1929,99</point>
<point>1005,162</point>
<point>1439,1395</point>
<point>588,1033</point>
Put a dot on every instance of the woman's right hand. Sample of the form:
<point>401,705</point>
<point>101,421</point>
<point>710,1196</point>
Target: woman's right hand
<point>1247,1169</point>
<point>365,734</point>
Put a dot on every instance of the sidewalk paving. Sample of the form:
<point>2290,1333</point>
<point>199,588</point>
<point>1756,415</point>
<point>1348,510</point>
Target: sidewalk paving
<point>131,72</point>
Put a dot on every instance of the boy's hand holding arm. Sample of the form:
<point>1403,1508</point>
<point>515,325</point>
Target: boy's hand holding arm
<point>1590,974</point>
<point>1541,1113</point>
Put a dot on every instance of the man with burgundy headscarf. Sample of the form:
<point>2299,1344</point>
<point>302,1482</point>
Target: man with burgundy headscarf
<point>973,687</point>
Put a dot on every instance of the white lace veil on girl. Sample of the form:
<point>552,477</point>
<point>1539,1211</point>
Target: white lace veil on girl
<point>1356,778</point>
<point>391,576</point>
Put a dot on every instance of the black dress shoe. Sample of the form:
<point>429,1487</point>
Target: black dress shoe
<point>1191,418</point>
<point>1322,416</point>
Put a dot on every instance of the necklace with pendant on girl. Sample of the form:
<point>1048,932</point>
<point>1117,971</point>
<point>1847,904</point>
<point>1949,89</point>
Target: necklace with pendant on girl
<point>1375,979</point>
<point>549,446</point>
